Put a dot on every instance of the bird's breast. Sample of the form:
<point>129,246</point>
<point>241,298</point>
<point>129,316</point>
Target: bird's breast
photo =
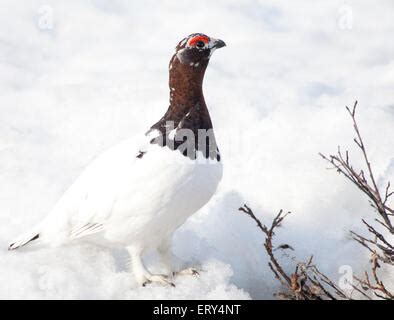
<point>167,188</point>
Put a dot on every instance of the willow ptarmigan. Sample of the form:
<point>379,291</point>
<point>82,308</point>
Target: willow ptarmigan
<point>137,193</point>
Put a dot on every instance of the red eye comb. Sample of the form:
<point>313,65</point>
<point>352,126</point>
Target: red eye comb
<point>194,40</point>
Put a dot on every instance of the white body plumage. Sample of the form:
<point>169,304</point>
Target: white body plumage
<point>121,200</point>
<point>125,200</point>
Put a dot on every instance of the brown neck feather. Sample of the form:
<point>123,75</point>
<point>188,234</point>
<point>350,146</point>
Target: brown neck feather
<point>186,94</point>
<point>187,108</point>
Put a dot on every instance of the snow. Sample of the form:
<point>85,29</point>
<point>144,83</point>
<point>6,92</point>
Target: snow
<point>77,77</point>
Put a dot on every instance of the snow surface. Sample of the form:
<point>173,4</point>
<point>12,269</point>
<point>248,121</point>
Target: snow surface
<point>77,77</point>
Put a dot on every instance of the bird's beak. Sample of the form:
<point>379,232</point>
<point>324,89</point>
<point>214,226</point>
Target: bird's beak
<point>216,44</point>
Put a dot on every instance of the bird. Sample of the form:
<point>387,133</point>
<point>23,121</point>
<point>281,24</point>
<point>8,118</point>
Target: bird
<point>137,193</point>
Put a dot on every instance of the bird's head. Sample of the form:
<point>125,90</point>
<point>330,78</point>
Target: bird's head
<point>196,49</point>
<point>187,68</point>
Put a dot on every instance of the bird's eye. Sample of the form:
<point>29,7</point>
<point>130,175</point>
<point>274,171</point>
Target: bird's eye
<point>200,44</point>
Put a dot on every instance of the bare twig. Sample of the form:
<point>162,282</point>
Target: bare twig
<point>380,248</point>
<point>306,282</point>
<point>368,186</point>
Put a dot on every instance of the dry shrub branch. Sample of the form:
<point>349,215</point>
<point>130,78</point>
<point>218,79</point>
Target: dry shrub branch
<point>306,282</point>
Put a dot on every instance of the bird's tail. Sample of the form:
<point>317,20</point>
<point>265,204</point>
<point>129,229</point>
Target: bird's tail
<point>24,240</point>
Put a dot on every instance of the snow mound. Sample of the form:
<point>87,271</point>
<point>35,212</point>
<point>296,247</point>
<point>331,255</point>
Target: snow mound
<point>89,272</point>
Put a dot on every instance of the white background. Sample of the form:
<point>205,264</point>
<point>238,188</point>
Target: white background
<point>78,76</point>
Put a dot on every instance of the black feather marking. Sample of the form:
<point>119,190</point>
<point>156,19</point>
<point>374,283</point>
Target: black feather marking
<point>32,239</point>
<point>140,154</point>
